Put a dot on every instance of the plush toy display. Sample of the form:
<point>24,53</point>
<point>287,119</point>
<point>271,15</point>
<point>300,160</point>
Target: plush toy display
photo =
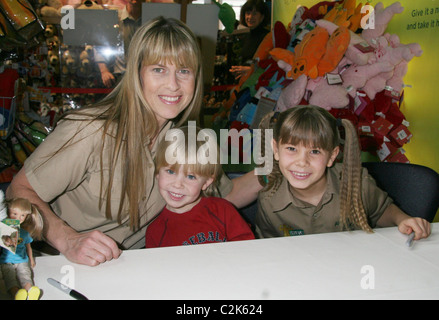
<point>332,63</point>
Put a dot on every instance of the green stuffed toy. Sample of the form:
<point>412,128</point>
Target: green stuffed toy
<point>227,16</point>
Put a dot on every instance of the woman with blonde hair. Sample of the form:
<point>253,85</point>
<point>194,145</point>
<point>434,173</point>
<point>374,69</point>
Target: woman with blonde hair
<point>93,177</point>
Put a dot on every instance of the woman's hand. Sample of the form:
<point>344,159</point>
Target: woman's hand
<point>239,71</point>
<point>91,248</point>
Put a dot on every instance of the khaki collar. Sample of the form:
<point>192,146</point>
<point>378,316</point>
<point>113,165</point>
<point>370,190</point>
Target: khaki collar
<point>160,136</point>
<point>283,198</point>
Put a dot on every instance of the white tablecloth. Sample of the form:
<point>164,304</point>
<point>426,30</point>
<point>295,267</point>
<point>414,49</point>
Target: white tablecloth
<point>343,265</point>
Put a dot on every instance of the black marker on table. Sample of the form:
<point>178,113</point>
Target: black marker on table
<point>73,293</point>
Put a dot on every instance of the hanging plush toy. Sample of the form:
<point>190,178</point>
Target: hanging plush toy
<point>227,16</point>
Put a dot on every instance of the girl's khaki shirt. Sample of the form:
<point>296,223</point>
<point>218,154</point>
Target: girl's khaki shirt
<point>281,214</point>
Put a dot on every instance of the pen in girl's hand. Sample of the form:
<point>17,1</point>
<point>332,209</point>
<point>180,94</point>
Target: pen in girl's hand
<point>409,241</point>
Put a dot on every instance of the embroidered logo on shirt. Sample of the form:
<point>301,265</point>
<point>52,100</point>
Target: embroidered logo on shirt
<point>289,231</point>
<point>297,232</point>
<point>201,238</point>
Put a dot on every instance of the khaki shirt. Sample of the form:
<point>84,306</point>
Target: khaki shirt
<point>70,182</point>
<point>282,214</point>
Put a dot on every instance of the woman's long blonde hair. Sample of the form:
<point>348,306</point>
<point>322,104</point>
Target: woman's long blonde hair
<point>316,127</point>
<point>127,116</point>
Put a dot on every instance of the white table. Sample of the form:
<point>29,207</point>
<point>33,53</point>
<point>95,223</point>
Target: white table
<point>344,265</point>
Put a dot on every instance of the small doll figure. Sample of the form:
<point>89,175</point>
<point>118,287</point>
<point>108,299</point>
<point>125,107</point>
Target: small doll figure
<point>16,268</point>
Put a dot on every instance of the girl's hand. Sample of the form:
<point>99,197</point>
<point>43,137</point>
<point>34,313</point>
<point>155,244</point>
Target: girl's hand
<point>420,226</point>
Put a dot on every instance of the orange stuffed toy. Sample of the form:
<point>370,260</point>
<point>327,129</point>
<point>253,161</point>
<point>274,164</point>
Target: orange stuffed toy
<point>265,46</point>
<point>309,52</point>
<point>346,14</point>
<point>285,55</point>
<point>317,54</point>
<point>335,49</point>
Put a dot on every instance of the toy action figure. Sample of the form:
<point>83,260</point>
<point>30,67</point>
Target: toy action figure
<point>16,268</point>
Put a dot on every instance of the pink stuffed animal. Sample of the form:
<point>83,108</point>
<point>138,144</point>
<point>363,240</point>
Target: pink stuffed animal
<point>393,55</point>
<point>325,95</point>
<point>414,48</point>
<point>389,49</point>
<point>356,77</point>
<point>382,17</point>
<point>377,84</point>
<point>396,83</point>
<point>292,94</point>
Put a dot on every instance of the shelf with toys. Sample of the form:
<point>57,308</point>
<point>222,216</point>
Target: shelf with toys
<point>41,76</point>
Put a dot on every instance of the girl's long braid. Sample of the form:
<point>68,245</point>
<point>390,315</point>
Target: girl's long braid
<point>352,212</point>
<point>274,179</point>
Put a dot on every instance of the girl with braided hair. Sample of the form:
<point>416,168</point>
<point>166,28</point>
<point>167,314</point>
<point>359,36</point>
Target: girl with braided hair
<point>308,192</point>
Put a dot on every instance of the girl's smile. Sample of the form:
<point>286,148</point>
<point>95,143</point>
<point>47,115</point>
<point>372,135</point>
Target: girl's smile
<point>305,168</point>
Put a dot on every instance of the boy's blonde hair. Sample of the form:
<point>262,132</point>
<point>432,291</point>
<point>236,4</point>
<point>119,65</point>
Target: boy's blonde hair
<point>181,153</point>
<point>33,223</point>
<point>315,127</point>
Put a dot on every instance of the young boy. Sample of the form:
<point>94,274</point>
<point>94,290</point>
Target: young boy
<point>192,215</point>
